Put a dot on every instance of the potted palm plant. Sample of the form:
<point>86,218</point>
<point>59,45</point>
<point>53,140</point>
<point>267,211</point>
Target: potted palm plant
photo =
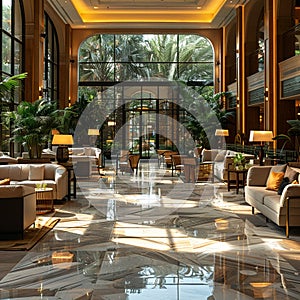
<point>32,124</point>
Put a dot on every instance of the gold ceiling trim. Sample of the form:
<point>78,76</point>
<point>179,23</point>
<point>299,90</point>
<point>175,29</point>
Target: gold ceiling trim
<point>187,14</point>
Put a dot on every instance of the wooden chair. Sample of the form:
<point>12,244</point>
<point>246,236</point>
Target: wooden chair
<point>177,163</point>
<point>128,163</point>
<point>134,160</point>
<point>190,167</point>
<point>168,157</point>
<point>123,162</point>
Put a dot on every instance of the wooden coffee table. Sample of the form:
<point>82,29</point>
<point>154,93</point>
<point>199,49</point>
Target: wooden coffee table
<point>44,200</point>
<point>239,182</point>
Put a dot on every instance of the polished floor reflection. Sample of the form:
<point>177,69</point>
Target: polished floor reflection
<point>152,236</point>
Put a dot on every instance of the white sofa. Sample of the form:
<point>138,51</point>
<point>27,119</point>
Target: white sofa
<point>85,158</point>
<point>54,175</point>
<point>283,209</point>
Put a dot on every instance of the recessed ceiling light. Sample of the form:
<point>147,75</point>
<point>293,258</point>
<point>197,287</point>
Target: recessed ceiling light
<point>96,7</point>
<point>199,7</point>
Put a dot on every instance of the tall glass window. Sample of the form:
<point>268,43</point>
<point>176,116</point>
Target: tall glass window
<point>11,55</point>
<point>107,59</point>
<point>51,59</point>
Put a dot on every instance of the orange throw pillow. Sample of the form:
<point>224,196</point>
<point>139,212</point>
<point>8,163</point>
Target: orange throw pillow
<point>274,180</point>
<point>5,181</point>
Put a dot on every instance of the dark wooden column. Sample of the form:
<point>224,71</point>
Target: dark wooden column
<point>271,97</point>
<point>240,67</point>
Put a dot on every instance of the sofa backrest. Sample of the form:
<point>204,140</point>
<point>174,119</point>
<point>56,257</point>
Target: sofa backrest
<point>14,172</point>
<point>21,171</point>
<point>88,151</point>
<point>209,155</point>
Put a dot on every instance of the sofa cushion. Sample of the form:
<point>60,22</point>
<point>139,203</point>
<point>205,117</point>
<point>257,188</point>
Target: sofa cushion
<point>285,181</point>
<point>272,201</point>
<point>209,155</point>
<point>14,172</point>
<point>36,172</point>
<point>276,169</point>
<point>291,174</point>
<point>258,176</point>
<point>274,180</point>
<point>258,193</point>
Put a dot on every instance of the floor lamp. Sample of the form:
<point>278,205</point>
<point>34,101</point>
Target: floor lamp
<point>261,136</point>
<point>95,132</point>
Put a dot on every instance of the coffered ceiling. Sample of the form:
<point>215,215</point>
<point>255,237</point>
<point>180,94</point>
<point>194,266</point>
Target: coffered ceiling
<point>145,13</point>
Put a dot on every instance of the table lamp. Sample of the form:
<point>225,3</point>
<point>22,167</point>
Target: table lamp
<point>222,132</point>
<point>261,136</point>
<point>93,131</point>
<point>63,141</point>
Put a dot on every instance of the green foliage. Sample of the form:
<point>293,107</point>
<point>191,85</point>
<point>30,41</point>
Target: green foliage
<point>32,124</point>
<point>294,132</point>
<point>7,84</point>
<point>68,118</point>
<point>108,57</point>
<point>239,161</point>
<point>210,111</point>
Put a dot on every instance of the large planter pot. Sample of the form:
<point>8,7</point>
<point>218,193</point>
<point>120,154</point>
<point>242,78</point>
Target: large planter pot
<point>35,150</point>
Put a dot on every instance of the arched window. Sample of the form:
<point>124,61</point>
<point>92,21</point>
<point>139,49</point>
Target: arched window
<point>12,58</point>
<point>107,59</point>
<point>51,58</point>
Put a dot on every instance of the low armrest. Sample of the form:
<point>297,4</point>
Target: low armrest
<point>258,175</point>
<point>60,173</point>
<point>291,190</point>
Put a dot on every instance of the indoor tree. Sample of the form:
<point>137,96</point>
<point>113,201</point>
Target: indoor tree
<point>32,123</point>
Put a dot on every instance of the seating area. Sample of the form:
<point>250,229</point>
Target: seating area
<point>51,175</point>
<point>275,192</point>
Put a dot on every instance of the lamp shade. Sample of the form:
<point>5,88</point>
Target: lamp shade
<point>261,136</point>
<point>93,131</point>
<point>222,132</point>
<point>62,139</point>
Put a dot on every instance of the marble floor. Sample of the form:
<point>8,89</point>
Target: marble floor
<point>153,236</point>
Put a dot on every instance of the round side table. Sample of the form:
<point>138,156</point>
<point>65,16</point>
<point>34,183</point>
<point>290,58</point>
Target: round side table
<point>44,200</point>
